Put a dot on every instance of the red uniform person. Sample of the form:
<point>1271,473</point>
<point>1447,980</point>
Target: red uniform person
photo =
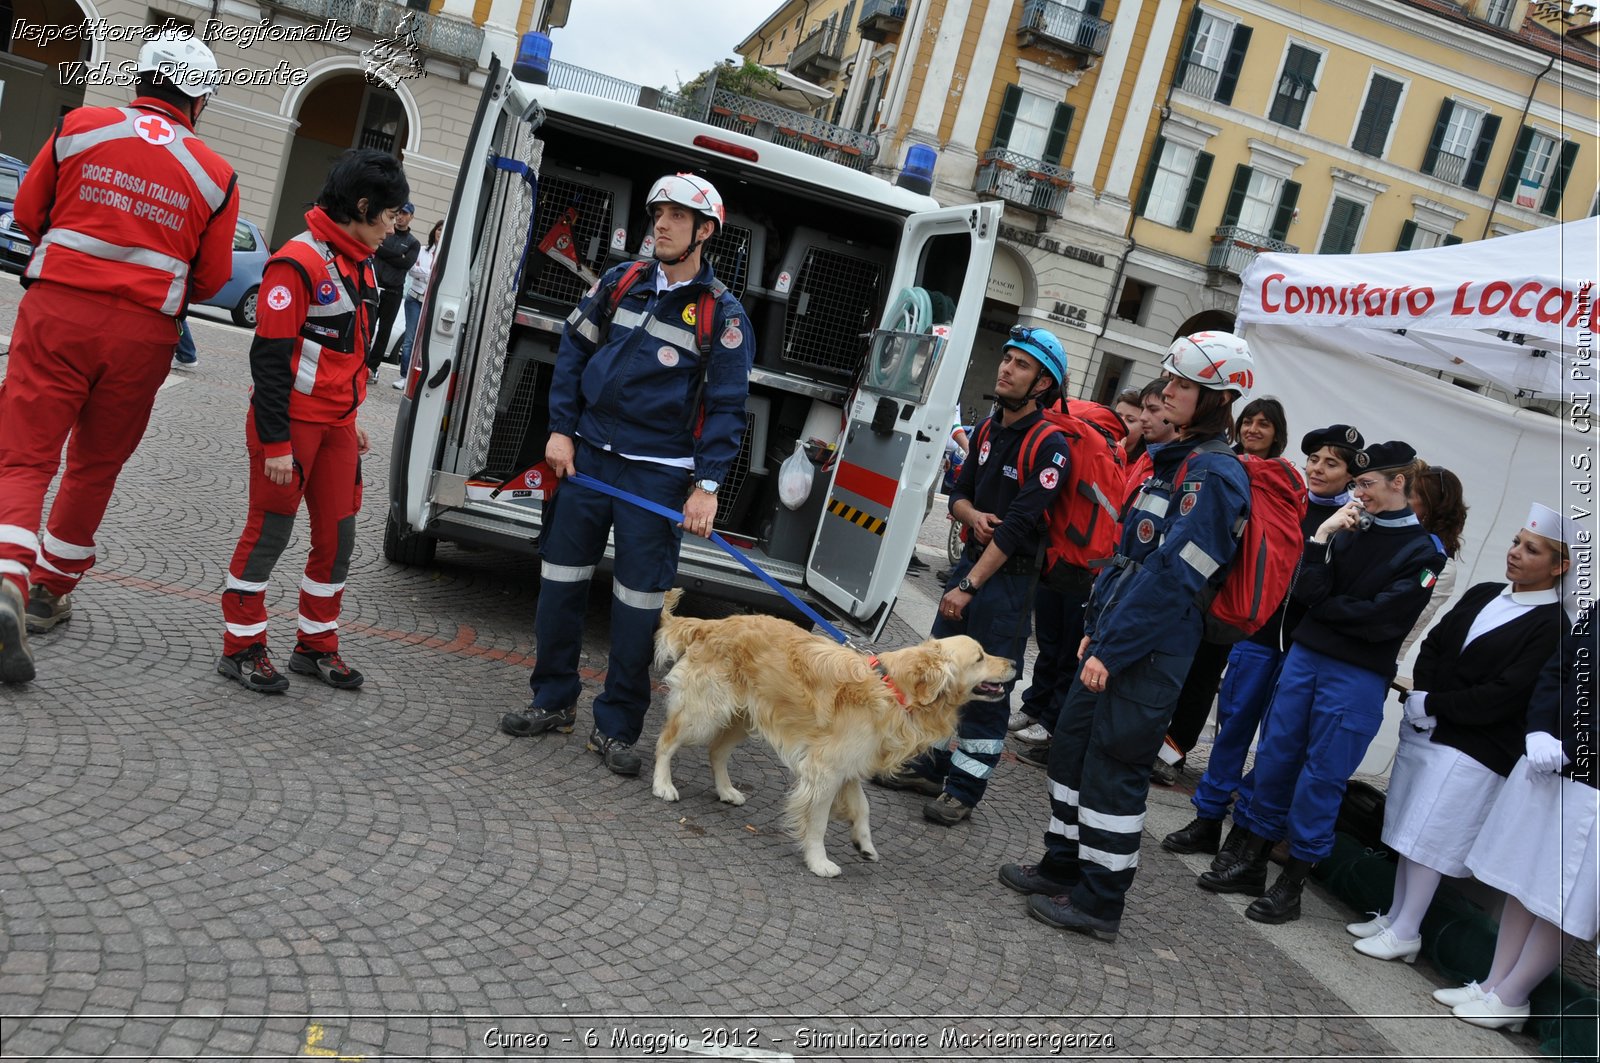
<point>131,218</point>
<point>314,320</point>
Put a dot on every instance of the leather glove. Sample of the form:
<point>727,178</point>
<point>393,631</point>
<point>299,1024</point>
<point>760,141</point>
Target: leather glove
<point>1545,752</point>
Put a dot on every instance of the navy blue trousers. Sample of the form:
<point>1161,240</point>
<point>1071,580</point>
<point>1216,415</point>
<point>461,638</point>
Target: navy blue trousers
<point>577,522</point>
<point>1058,629</point>
<point>1246,691</point>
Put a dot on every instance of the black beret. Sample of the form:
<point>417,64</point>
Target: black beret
<point>1335,435</point>
<point>1385,456</point>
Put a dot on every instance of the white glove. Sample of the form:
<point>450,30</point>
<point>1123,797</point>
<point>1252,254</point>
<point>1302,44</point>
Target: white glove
<point>1416,707</point>
<point>1545,752</point>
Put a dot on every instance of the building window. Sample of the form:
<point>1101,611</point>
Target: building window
<point>1295,86</point>
<point>1458,151</point>
<point>1537,175</point>
<point>1032,126</point>
<point>1344,227</point>
<point>1212,56</point>
<point>1498,13</point>
<point>1133,300</point>
<point>1414,237</point>
<point>1174,183</point>
<point>1377,116</point>
<point>1261,203</point>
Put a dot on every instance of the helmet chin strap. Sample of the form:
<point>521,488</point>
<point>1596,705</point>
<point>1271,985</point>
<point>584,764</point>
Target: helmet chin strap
<point>1041,387</point>
<point>694,243</point>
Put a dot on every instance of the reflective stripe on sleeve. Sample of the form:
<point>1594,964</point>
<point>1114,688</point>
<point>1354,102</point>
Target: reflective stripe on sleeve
<point>1199,560</point>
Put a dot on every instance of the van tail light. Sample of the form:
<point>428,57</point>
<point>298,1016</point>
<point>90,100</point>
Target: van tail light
<point>738,151</point>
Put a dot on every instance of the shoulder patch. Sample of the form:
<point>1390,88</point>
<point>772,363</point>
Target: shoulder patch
<point>279,298</point>
<point>1428,578</point>
<point>731,336</point>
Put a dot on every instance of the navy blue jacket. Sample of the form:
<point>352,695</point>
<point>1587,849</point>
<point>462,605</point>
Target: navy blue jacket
<point>1174,548</point>
<point>989,481</point>
<point>631,393</point>
<point>1364,590</point>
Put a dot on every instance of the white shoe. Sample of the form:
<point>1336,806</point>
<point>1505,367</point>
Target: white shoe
<point>1385,946</point>
<point>1370,929</point>
<point>1465,994</point>
<point>1488,1012</point>
<point>399,385</point>
<point>1034,734</point>
<point>1019,720</point>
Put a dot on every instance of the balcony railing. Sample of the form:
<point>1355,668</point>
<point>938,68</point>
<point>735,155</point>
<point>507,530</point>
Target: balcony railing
<point>879,18</point>
<point>1065,28</point>
<point>1233,249</point>
<point>1031,184</point>
<point>592,83</point>
<point>444,36</point>
<point>820,54</point>
<point>1450,167</point>
<point>792,129</point>
<point>1200,80</point>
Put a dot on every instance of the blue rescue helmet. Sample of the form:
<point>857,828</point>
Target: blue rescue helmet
<point>1042,346</point>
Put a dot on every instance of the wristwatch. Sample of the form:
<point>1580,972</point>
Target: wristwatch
<point>967,586</point>
<point>708,486</point>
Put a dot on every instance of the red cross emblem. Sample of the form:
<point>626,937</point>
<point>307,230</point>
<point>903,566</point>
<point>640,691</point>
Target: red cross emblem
<point>155,130</point>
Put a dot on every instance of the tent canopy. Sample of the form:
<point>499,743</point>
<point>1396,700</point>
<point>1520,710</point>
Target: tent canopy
<point>1327,332</point>
<point>1511,311</point>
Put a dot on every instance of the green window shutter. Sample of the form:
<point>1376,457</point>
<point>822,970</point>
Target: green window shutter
<point>1408,236</point>
<point>1519,155</point>
<point>1558,180</point>
<point>1196,192</point>
<point>1189,34</point>
<point>1344,222</point>
<point>1094,7</point>
<point>1008,117</point>
<point>1451,239</point>
<point>1435,142</point>
<point>1060,126</point>
<point>1233,64</point>
<point>1480,152</point>
<point>1285,214</point>
<point>1150,175</point>
<point>1235,204</point>
<point>1377,115</point>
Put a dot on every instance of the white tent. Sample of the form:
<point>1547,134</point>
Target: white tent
<point>1328,333</point>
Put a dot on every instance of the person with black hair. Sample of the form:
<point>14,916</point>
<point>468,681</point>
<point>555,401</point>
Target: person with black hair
<point>308,362</point>
<point>393,259</point>
<point>115,265</point>
<point>1367,573</point>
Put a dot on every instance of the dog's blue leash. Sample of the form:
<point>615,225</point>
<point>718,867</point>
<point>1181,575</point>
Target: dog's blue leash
<point>676,516</point>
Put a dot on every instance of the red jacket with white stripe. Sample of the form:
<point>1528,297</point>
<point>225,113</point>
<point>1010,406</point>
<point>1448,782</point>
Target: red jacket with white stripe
<point>128,202</point>
<point>313,323</point>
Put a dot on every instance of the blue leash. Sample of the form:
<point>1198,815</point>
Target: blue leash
<point>585,480</point>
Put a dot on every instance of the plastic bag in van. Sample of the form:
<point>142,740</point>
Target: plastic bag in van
<point>794,477</point>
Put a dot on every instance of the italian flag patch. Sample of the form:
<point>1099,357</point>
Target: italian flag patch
<point>1428,578</point>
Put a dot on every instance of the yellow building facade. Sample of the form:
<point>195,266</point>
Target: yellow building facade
<point>1147,150</point>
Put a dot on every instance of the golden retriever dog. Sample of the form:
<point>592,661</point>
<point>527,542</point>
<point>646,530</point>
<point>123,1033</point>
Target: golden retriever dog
<point>829,716</point>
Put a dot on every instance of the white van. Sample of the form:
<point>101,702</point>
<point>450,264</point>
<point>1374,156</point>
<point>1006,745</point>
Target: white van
<point>827,261</point>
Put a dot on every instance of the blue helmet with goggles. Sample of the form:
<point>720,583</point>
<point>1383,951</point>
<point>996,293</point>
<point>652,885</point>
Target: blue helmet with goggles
<point>1042,346</point>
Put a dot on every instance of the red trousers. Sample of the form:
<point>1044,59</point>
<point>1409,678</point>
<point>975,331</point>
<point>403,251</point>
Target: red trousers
<point>327,475</point>
<point>87,366</point>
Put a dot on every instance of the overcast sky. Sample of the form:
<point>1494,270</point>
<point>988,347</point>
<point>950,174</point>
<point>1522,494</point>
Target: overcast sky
<point>655,42</point>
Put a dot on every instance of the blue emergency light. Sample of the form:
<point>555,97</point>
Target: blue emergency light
<point>533,59</point>
<point>917,173</point>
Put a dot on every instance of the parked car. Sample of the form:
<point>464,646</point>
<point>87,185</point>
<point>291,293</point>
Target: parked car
<point>12,170</point>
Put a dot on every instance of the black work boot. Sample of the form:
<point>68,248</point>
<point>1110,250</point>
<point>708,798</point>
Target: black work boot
<point>1229,852</point>
<point>327,667</point>
<point>1029,879</point>
<point>16,660</point>
<point>618,755</point>
<point>1282,902</point>
<point>1200,836</point>
<point>536,721</point>
<point>1247,875</point>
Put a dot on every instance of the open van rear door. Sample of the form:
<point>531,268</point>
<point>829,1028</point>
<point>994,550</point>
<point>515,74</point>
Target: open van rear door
<point>902,411</point>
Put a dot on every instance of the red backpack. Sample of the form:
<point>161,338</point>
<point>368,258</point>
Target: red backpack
<point>1270,544</point>
<point>1082,518</point>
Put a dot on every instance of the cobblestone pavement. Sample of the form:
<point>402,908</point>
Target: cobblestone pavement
<point>188,869</point>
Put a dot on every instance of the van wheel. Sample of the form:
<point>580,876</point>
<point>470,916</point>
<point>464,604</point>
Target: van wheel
<point>953,545</point>
<point>406,548</point>
<point>244,315</point>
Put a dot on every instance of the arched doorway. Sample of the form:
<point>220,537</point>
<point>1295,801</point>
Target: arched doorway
<point>1206,321</point>
<point>339,112</point>
<point>32,95</point>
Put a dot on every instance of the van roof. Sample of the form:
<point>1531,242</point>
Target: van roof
<point>829,178</point>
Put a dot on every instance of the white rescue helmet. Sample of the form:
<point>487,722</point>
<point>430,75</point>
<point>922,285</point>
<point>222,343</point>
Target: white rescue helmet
<point>177,55</point>
<point>688,190</point>
<point>1220,361</point>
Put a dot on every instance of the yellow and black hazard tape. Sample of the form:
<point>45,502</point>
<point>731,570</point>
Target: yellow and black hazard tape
<point>875,525</point>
